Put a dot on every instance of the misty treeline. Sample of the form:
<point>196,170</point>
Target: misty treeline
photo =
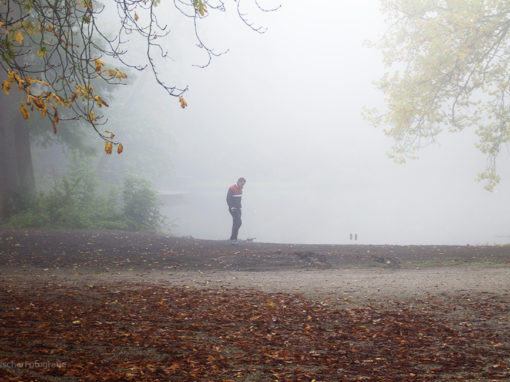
<point>76,185</point>
<point>77,199</point>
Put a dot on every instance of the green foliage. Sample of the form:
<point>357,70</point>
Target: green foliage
<point>7,49</point>
<point>448,63</point>
<point>74,202</point>
<point>141,205</point>
<point>200,7</point>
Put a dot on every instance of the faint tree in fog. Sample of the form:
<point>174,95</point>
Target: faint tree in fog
<point>448,67</point>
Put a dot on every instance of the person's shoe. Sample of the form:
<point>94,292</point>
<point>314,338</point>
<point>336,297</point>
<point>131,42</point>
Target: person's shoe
<point>234,242</point>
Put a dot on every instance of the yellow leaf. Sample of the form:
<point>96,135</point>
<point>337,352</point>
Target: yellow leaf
<point>24,111</point>
<point>99,64</point>
<point>108,147</point>
<point>120,148</point>
<point>183,102</point>
<point>92,116</point>
<point>6,86</point>
<point>100,102</point>
<point>19,37</point>
<point>39,103</point>
<point>120,74</point>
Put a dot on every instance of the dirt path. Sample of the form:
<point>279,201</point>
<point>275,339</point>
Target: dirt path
<point>361,273</point>
<point>358,286</point>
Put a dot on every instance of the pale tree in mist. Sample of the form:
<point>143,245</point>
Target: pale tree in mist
<point>448,69</point>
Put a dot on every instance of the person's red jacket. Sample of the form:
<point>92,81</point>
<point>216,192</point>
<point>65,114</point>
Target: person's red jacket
<point>234,195</point>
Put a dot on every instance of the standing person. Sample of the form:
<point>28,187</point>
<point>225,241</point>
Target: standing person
<point>234,194</point>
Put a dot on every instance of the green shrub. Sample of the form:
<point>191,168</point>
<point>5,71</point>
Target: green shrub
<point>75,203</point>
<point>141,205</point>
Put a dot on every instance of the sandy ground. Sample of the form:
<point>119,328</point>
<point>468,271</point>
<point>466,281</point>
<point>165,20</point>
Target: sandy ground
<point>355,285</point>
<point>358,274</point>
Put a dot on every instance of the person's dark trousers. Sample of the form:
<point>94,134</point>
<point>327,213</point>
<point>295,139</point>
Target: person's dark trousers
<point>236,222</point>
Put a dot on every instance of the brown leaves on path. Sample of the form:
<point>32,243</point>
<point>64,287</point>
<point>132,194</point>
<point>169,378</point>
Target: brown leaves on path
<point>148,332</point>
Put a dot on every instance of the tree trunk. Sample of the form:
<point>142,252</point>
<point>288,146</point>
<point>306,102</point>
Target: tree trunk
<point>17,185</point>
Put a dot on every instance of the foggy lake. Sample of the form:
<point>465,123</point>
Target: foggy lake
<point>283,109</point>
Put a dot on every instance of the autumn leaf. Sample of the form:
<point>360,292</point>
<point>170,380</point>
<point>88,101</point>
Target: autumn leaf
<point>44,111</point>
<point>42,51</point>
<point>183,102</point>
<point>6,86</point>
<point>56,116</point>
<point>136,17</point>
<point>92,116</point>
<point>100,102</point>
<point>98,64</point>
<point>120,148</point>
<point>108,147</point>
<point>175,366</point>
<point>20,81</point>
<point>112,135</point>
<point>38,103</point>
<point>121,75</point>
<point>24,111</point>
<point>19,37</point>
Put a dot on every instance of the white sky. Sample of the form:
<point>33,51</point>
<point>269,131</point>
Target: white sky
<point>283,109</point>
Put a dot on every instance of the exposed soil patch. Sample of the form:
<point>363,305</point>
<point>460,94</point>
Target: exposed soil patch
<point>105,250</point>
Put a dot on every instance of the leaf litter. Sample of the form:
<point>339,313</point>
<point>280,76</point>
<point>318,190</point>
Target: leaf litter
<point>132,331</point>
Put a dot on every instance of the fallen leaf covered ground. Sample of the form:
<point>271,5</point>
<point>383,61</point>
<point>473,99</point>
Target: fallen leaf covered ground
<point>59,323</point>
<point>134,332</point>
